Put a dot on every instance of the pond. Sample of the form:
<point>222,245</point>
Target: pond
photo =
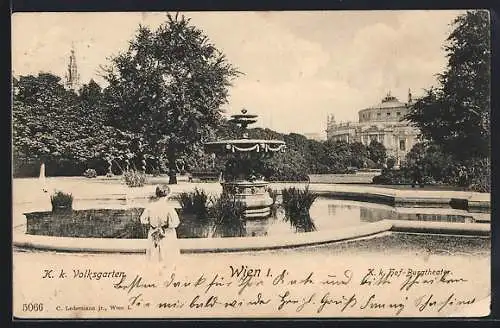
<point>119,219</point>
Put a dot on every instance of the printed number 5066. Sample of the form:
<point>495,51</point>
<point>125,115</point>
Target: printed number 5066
<point>32,307</point>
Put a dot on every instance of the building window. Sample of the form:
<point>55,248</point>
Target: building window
<point>402,145</point>
<point>378,115</point>
<point>388,114</point>
<point>398,113</point>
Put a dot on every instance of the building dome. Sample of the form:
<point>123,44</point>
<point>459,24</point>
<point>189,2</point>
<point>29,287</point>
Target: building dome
<point>384,122</point>
<point>388,102</point>
<point>390,109</point>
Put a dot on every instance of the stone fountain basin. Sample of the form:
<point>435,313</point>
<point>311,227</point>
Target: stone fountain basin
<point>243,244</point>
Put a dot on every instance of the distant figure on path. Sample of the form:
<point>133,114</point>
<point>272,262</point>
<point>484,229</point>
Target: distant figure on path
<point>417,176</point>
<point>43,180</point>
<point>162,219</point>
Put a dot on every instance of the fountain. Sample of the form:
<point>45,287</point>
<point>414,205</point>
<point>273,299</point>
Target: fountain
<point>242,176</point>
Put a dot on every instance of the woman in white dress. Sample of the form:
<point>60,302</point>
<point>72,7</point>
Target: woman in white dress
<point>162,219</point>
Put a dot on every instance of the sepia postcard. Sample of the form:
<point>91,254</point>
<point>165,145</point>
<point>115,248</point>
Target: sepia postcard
<point>288,164</point>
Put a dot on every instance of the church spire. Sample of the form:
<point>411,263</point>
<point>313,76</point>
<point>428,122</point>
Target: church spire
<point>72,76</point>
<point>409,97</point>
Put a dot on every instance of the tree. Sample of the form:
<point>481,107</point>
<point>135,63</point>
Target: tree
<point>288,166</point>
<point>338,154</point>
<point>168,88</point>
<point>43,118</point>
<point>430,160</point>
<point>66,131</point>
<point>456,114</point>
<point>318,163</point>
<point>377,152</point>
<point>359,153</point>
<point>391,162</point>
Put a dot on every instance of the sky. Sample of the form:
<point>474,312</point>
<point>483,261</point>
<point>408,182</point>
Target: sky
<point>299,67</point>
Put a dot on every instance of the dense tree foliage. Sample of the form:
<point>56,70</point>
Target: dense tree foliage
<point>377,152</point>
<point>428,163</point>
<point>66,130</point>
<point>456,114</point>
<point>49,123</point>
<point>71,132</point>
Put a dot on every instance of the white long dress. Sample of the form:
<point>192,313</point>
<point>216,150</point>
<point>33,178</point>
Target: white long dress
<point>162,236</point>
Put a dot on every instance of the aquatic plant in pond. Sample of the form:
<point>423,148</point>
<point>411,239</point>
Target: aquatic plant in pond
<point>61,201</point>
<point>222,215</point>
<point>297,203</point>
<point>195,203</point>
<point>228,215</point>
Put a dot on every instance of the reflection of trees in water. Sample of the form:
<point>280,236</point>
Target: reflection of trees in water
<point>375,214</point>
<point>256,227</point>
<point>332,209</point>
<point>435,217</point>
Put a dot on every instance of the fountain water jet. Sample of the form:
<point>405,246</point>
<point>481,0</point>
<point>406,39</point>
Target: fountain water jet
<point>243,170</point>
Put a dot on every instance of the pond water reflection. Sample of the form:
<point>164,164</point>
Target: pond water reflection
<point>334,213</point>
<point>327,214</point>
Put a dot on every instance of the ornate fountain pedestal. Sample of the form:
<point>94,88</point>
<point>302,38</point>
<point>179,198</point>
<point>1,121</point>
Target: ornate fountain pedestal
<point>253,195</point>
<point>241,176</point>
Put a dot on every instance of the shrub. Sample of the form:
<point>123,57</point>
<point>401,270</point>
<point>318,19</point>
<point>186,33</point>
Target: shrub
<point>430,161</point>
<point>90,173</point>
<point>480,180</point>
<point>392,177</point>
<point>134,178</point>
<point>371,164</point>
<point>297,204</point>
<point>61,201</point>
<point>391,162</point>
<point>228,216</point>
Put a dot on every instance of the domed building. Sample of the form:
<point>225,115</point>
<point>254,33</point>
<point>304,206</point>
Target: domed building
<point>383,122</point>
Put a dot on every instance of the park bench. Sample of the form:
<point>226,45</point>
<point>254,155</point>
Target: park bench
<point>204,175</point>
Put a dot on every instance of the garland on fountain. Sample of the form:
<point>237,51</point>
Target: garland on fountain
<point>258,148</point>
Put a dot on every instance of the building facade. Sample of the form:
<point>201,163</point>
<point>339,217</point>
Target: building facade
<point>383,122</point>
